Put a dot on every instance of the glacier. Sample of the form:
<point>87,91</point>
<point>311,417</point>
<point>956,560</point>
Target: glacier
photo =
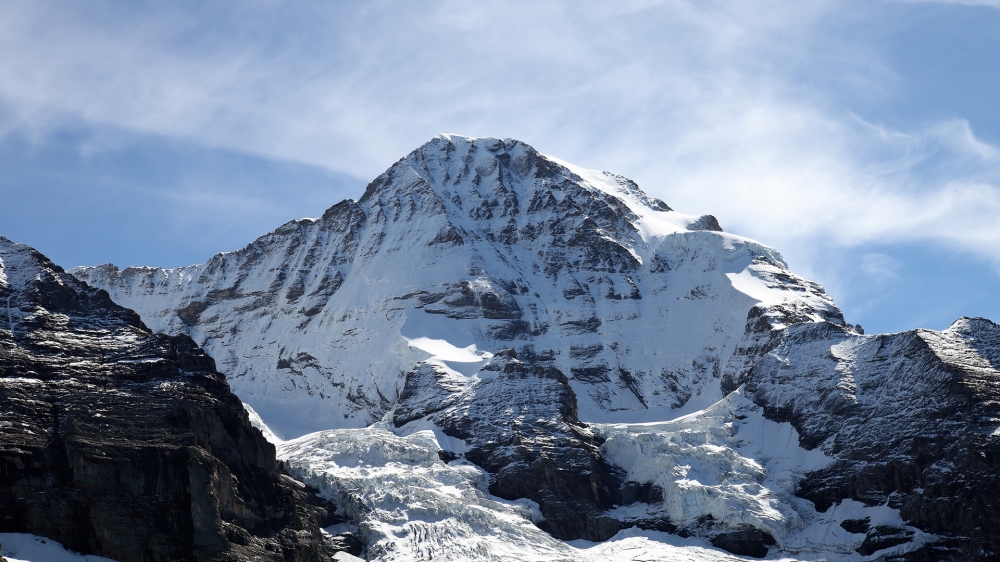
<point>726,461</point>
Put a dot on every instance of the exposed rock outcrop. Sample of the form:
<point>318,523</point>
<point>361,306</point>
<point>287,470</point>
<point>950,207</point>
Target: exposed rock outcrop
<point>127,444</point>
<point>520,421</point>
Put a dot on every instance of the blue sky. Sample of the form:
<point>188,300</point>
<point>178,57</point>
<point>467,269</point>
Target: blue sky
<point>861,139</point>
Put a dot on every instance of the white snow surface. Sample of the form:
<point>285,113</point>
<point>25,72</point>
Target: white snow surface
<point>22,547</point>
<point>412,506</point>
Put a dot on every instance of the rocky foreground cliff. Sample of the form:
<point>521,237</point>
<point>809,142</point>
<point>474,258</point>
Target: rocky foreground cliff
<point>127,444</point>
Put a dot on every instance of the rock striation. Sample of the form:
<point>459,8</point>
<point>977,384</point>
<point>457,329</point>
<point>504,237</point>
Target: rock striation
<point>127,444</point>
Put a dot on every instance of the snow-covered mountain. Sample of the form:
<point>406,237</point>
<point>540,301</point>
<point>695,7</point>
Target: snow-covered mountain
<point>498,349</point>
<point>461,249</point>
<point>912,419</point>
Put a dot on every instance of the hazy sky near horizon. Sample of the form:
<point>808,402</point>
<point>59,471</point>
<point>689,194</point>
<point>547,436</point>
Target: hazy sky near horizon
<point>860,139</point>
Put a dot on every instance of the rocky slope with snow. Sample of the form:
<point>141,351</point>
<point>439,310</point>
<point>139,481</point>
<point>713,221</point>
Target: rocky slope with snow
<point>127,444</point>
<point>912,419</point>
<point>492,342</point>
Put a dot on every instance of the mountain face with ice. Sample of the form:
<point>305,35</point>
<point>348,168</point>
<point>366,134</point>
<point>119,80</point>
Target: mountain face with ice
<point>497,349</point>
<point>127,444</point>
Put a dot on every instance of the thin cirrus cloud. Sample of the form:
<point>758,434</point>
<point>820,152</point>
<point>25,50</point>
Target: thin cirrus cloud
<point>880,266</point>
<point>771,116</point>
<point>990,3</point>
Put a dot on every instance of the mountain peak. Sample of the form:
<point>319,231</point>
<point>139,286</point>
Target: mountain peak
<point>503,185</point>
<point>484,303</point>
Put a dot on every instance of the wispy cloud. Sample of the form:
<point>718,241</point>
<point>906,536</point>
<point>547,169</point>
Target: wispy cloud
<point>728,108</point>
<point>990,3</point>
<point>880,266</point>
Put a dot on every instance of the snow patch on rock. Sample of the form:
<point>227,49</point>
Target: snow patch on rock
<point>731,466</point>
<point>22,547</point>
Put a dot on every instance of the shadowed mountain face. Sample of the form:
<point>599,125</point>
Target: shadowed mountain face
<point>127,444</point>
<point>532,316</point>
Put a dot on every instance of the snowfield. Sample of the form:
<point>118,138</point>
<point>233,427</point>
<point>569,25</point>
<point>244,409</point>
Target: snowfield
<point>22,547</point>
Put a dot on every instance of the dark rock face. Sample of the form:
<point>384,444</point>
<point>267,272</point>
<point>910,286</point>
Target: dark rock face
<point>745,542</point>
<point>539,451</point>
<point>883,537</point>
<point>706,222</point>
<point>127,444</point>
<point>911,419</point>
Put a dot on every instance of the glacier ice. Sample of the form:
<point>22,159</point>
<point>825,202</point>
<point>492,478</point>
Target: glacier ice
<point>727,461</point>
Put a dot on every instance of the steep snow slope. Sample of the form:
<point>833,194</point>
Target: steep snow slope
<point>463,248</point>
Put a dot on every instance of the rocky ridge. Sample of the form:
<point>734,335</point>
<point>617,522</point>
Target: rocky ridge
<point>912,419</point>
<point>127,444</point>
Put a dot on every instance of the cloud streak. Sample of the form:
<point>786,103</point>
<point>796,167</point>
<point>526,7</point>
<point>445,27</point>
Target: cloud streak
<point>990,3</point>
<point>724,108</point>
